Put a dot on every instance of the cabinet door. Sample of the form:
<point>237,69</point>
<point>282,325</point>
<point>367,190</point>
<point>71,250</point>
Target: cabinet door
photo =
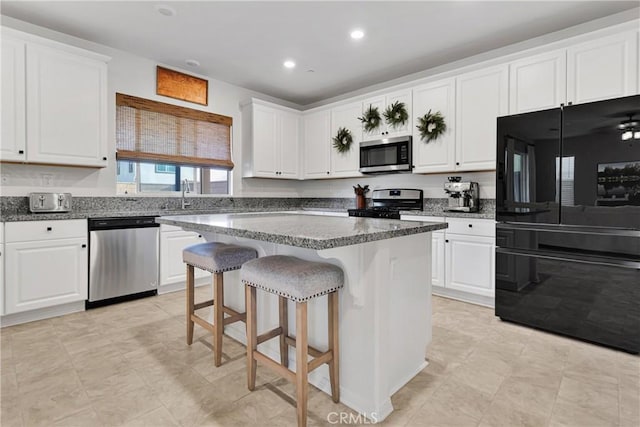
<point>45,273</point>
<point>346,116</point>
<point>13,143</point>
<point>172,269</point>
<point>481,97</point>
<point>2,257</point>
<point>470,264</point>
<point>379,103</point>
<point>317,140</point>
<point>288,138</point>
<point>437,259</point>
<point>404,97</point>
<point>265,136</point>
<point>436,155</point>
<point>538,82</point>
<point>603,68</point>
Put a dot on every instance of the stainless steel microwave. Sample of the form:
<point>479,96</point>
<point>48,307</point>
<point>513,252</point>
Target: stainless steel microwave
<point>386,155</point>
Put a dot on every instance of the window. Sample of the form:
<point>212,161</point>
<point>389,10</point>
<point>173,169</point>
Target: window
<point>160,177</point>
<point>161,145</point>
<point>162,168</point>
<point>566,171</point>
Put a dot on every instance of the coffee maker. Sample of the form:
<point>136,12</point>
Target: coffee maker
<point>463,196</point>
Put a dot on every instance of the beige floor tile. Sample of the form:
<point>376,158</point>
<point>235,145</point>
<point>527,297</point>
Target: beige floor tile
<point>433,414</point>
<point>569,414</point>
<point>526,397</point>
<point>119,408</point>
<point>460,398</point>
<point>49,383</point>
<point>593,396</point>
<point>44,410</point>
<point>503,415</point>
<point>85,418</point>
<point>484,380</point>
<point>157,418</point>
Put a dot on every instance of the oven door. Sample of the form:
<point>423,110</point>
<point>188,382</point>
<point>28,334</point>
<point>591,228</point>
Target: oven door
<point>387,155</point>
<point>590,292</point>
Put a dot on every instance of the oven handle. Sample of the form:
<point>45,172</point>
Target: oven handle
<point>575,229</point>
<point>634,265</point>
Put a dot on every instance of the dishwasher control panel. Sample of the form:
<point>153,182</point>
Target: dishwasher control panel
<point>49,202</point>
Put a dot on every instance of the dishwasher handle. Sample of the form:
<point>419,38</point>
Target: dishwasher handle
<point>122,223</point>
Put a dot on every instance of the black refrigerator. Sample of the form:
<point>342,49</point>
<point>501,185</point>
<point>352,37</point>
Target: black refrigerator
<point>568,221</point>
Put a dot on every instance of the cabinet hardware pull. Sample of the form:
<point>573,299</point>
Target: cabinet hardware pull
<point>20,151</point>
<point>84,246</point>
<point>327,172</point>
<point>446,241</point>
<point>199,236</point>
<point>49,228</point>
<point>457,163</point>
<point>104,158</point>
<point>470,225</point>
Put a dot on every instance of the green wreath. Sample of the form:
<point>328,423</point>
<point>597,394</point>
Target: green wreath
<point>343,140</point>
<point>396,114</point>
<point>370,119</point>
<point>431,126</point>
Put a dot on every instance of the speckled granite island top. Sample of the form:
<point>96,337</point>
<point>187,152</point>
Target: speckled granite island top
<point>305,231</point>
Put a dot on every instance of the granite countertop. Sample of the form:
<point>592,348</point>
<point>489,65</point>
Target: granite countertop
<point>447,214</point>
<point>305,231</point>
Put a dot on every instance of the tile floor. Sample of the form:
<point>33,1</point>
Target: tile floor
<point>128,364</point>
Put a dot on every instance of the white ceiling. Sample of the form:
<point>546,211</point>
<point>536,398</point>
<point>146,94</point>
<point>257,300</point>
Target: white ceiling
<point>245,43</point>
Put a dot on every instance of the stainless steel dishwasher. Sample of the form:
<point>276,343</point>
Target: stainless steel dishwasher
<point>123,259</point>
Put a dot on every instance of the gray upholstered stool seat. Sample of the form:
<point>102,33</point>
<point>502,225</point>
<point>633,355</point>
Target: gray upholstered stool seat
<point>216,258</point>
<point>298,280</point>
<point>293,278</point>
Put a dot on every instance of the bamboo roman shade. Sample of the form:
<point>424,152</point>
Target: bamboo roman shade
<point>158,132</point>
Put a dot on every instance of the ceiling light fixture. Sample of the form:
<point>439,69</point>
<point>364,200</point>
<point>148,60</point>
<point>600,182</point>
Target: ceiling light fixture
<point>357,34</point>
<point>629,129</point>
<point>192,63</point>
<point>289,64</point>
<point>165,10</point>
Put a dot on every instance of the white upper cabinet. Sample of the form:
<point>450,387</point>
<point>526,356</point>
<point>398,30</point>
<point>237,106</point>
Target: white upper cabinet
<point>55,110</point>
<point>538,82</point>
<point>346,116</point>
<point>317,143</point>
<point>382,102</point>
<point>481,97</point>
<point>603,68</point>
<point>13,143</point>
<point>271,146</point>
<point>436,155</point>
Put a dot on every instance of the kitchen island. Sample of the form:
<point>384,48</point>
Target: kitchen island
<point>385,306</point>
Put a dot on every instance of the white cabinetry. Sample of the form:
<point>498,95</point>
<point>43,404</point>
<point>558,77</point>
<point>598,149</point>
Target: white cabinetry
<point>173,274</point>
<point>603,68</point>
<point>2,257</point>
<point>382,102</point>
<point>271,141</point>
<point>13,143</point>
<point>46,264</point>
<point>346,164</point>
<point>462,264</point>
<point>317,144</point>
<point>57,111</point>
<point>538,82</point>
<point>481,97</point>
<point>437,155</point>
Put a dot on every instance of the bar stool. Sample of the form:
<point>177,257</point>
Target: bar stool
<point>215,258</point>
<point>298,280</point>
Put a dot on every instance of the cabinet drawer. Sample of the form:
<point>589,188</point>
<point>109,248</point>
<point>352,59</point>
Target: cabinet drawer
<point>24,231</point>
<point>472,227</point>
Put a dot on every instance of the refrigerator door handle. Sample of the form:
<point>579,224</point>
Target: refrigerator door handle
<point>574,229</point>
<point>634,265</point>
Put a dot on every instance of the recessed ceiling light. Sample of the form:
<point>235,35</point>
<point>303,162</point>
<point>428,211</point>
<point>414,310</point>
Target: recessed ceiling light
<point>289,63</point>
<point>357,34</point>
<point>165,10</point>
<point>192,63</point>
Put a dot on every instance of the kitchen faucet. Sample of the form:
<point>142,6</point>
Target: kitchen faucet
<point>185,189</point>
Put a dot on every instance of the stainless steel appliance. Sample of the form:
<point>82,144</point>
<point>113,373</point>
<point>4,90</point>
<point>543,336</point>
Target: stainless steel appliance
<point>568,230</point>
<point>388,203</point>
<point>463,196</point>
<point>123,259</point>
<point>49,202</point>
<point>386,155</point>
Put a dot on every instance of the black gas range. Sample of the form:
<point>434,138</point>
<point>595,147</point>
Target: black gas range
<point>388,203</point>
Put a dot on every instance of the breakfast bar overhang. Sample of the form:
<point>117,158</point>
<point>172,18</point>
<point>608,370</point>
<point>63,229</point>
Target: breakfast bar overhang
<point>385,306</point>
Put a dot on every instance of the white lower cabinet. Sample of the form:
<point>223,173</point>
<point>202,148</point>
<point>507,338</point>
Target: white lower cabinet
<point>462,263</point>
<point>46,264</point>
<point>172,270</point>
<point>2,257</point>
